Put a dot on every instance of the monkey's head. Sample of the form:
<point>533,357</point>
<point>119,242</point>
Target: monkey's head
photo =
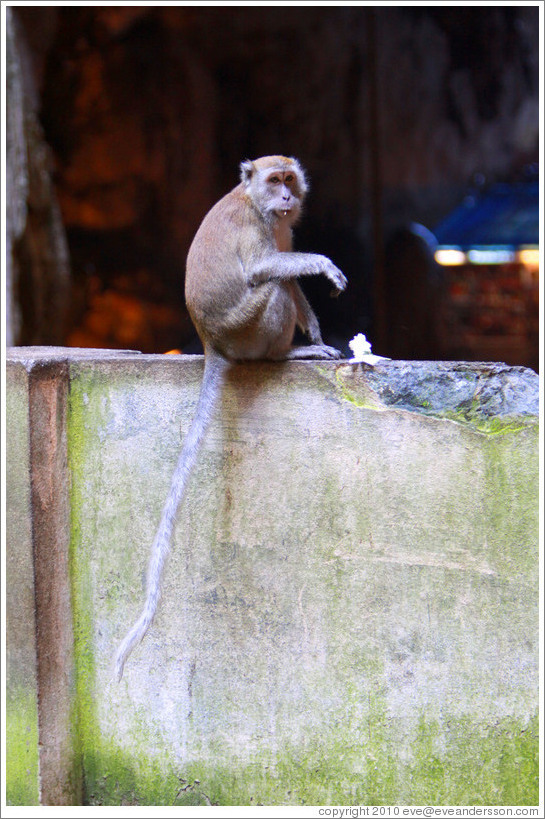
<point>276,185</point>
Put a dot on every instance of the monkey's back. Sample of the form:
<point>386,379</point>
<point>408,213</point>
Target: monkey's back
<point>214,278</point>
<point>226,312</point>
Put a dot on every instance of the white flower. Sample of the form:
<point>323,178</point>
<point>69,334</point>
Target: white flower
<point>360,347</point>
<point>362,351</point>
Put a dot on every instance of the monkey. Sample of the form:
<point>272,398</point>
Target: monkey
<point>244,299</point>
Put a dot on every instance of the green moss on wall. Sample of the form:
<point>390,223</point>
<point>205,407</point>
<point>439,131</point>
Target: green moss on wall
<point>459,762</point>
<point>21,748</point>
<point>494,425</point>
<point>357,393</point>
<point>354,760</point>
<point>84,723</point>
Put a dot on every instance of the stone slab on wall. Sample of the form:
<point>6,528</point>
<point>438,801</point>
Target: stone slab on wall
<point>349,613</point>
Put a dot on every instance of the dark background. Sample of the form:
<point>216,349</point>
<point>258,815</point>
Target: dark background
<point>140,116</point>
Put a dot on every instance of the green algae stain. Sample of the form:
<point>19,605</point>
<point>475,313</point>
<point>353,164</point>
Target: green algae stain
<point>358,393</point>
<point>463,762</point>
<point>488,425</point>
<point>85,730</point>
<point>457,762</point>
<point>21,748</point>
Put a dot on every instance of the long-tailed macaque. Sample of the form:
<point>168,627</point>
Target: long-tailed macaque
<point>242,294</point>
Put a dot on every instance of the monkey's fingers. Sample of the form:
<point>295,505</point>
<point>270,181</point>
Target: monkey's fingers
<point>339,281</point>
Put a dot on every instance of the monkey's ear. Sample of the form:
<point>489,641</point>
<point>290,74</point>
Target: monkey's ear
<point>247,170</point>
<point>303,178</point>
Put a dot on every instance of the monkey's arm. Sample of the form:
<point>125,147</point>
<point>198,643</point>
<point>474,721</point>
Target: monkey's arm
<point>292,265</point>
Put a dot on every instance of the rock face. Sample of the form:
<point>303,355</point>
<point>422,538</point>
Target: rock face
<point>349,611</point>
<point>38,271</point>
<point>465,391</point>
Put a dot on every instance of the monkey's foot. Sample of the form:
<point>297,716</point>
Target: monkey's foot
<point>314,351</point>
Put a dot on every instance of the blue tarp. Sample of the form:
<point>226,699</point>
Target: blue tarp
<point>504,215</point>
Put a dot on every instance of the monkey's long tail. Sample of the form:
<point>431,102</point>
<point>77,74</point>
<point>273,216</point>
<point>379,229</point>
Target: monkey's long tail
<point>214,370</point>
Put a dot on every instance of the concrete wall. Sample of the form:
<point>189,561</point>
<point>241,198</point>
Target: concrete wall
<point>350,611</point>
<point>21,687</point>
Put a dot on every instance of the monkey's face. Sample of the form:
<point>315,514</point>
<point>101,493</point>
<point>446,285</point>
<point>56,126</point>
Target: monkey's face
<point>284,194</point>
<point>276,188</point>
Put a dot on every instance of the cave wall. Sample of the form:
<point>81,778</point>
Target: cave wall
<point>38,267</point>
<point>148,111</point>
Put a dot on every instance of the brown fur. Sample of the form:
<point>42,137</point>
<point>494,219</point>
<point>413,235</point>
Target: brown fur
<point>241,288</point>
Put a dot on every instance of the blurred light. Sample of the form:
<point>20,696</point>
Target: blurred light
<point>449,256</point>
<point>424,233</point>
<point>529,256</point>
<point>491,255</point>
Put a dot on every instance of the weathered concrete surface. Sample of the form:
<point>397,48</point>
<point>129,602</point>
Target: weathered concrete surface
<point>60,781</point>
<point>349,613</point>
<point>21,685</point>
<point>40,637</point>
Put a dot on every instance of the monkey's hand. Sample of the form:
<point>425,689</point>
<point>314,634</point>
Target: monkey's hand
<point>335,276</point>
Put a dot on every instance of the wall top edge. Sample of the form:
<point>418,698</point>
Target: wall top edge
<point>41,354</point>
<point>462,390</point>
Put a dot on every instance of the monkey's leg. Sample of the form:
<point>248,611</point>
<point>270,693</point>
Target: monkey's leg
<point>306,317</point>
<point>313,351</point>
<point>307,321</point>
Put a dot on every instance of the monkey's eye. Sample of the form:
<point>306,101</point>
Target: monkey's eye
<point>289,177</point>
<point>274,179</point>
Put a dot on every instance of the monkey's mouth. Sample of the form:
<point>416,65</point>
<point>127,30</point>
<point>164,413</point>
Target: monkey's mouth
<point>282,212</point>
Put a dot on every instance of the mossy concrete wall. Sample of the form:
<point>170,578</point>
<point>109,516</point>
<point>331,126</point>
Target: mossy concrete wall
<point>21,683</point>
<point>350,610</point>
